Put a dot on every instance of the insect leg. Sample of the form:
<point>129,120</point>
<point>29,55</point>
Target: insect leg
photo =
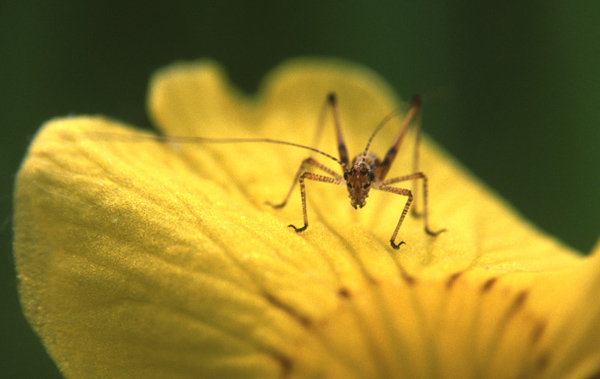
<point>302,169</point>
<point>321,122</point>
<point>403,192</point>
<point>386,164</point>
<point>315,177</point>
<point>332,100</point>
<point>415,168</point>
<point>416,176</point>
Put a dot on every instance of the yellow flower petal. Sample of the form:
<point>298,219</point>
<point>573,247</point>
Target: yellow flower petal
<point>141,259</point>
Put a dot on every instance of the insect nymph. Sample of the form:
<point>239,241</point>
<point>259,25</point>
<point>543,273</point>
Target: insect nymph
<point>366,171</point>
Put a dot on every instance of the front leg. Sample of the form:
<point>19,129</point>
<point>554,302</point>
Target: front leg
<point>403,192</point>
<point>308,161</point>
<point>318,178</point>
<point>415,176</point>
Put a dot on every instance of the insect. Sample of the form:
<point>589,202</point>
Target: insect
<point>366,171</point>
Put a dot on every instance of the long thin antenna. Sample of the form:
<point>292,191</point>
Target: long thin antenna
<point>187,139</point>
<point>378,128</point>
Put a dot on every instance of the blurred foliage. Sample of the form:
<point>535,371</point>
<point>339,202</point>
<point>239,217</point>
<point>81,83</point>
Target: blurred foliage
<point>510,88</point>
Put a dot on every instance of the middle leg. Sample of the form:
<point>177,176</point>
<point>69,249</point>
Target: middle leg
<point>307,162</point>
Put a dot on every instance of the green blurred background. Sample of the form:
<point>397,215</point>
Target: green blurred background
<point>512,89</point>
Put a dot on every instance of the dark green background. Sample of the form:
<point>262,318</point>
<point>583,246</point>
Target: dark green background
<point>512,89</point>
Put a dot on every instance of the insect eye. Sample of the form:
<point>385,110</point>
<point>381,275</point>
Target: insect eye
<point>366,185</point>
<point>364,171</point>
<point>349,185</point>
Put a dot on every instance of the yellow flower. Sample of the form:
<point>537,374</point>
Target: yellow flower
<point>146,259</point>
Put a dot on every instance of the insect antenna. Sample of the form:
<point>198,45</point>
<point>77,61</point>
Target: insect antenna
<point>378,128</point>
<point>187,139</point>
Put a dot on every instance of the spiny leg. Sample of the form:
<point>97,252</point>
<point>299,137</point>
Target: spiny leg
<point>403,192</point>
<point>386,164</point>
<point>315,177</point>
<point>320,123</point>
<point>416,176</point>
<point>331,104</point>
<point>332,100</point>
<point>302,169</point>
<point>414,210</point>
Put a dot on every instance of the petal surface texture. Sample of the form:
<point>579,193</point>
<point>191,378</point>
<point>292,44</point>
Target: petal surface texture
<point>139,258</point>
